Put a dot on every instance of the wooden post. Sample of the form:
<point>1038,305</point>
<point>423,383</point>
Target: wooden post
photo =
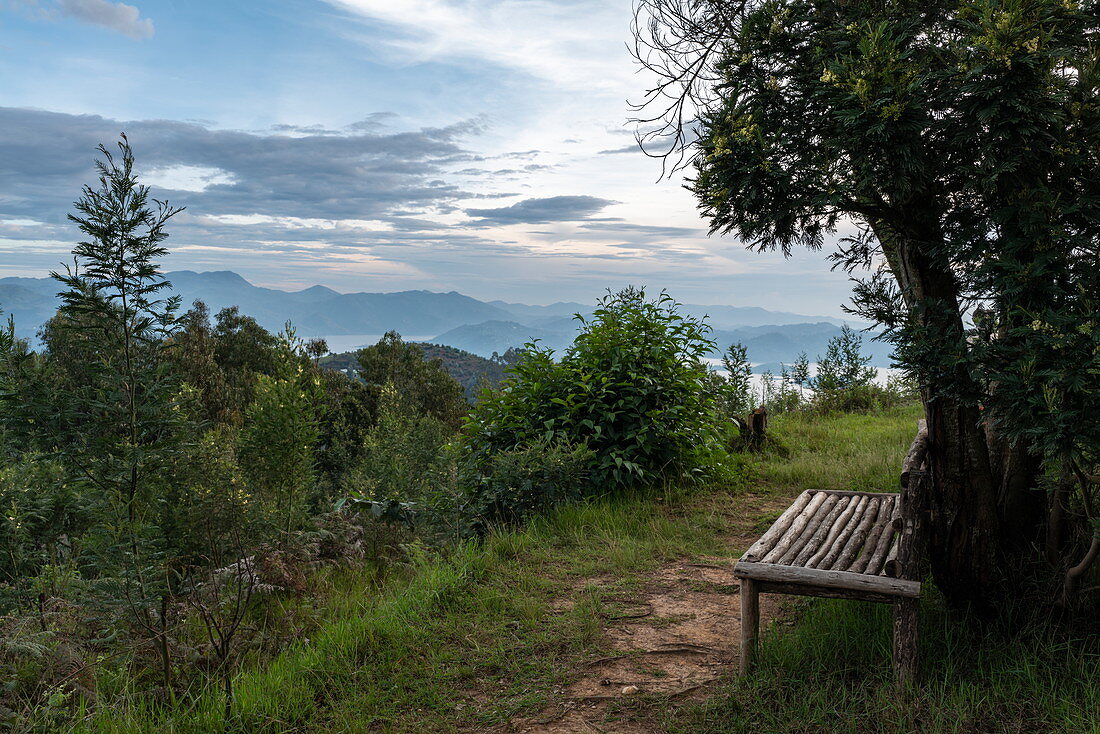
<point>750,623</point>
<point>906,642</point>
<point>758,427</point>
<point>908,564</point>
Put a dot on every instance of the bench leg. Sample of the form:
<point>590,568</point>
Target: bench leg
<point>750,623</point>
<point>906,660</point>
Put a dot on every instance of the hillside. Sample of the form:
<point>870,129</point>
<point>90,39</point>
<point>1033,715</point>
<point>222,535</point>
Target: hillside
<point>469,370</point>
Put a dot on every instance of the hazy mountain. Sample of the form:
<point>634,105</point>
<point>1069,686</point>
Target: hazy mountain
<point>767,346</point>
<point>460,321</point>
<point>737,317</point>
<point>315,311</point>
<point>497,336</point>
<point>542,315</point>
<point>560,314</point>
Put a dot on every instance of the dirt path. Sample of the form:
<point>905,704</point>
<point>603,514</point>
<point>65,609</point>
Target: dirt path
<point>674,638</point>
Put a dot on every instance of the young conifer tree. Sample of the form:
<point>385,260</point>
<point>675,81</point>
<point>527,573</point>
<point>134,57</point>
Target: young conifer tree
<point>120,423</point>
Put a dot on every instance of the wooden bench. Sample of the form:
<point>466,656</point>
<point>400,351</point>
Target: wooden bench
<point>846,545</point>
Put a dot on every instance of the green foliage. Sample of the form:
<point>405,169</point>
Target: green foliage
<point>42,515</point>
<point>844,382</point>
<point>112,415</point>
<point>424,385</point>
<point>631,388</point>
<point>345,417</point>
<point>243,349</point>
<point>800,372</point>
<point>960,140</point>
<point>778,394</point>
<point>739,398</point>
<point>516,484</point>
<point>844,366</point>
<point>195,361</point>
<point>281,429</point>
<point>403,456</point>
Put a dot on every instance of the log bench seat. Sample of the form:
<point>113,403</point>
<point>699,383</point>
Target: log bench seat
<point>834,544</point>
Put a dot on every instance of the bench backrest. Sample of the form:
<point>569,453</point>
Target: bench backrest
<point>913,505</point>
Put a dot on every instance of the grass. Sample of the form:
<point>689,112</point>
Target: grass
<point>459,641</point>
<point>467,640</point>
<point>831,672</point>
<point>849,452</point>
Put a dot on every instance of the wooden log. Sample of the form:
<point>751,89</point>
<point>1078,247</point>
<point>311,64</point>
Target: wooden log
<point>826,579</point>
<point>767,541</point>
<point>890,566</point>
<point>913,540</point>
<point>851,493</point>
<point>776,587</point>
<point>750,623</point>
<point>906,642</point>
<point>838,527</point>
<point>917,454</point>
<point>791,536</point>
<point>822,531</point>
<point>858,538</point>
<point>808,533</point>
<point>838,545</point>
<point>878,558</point>
<point>882,525</point>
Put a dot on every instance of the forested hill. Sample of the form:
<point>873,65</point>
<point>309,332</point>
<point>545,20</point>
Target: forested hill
<point>469,370</point>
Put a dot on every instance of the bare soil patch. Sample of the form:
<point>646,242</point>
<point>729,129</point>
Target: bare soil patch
<point>674,639</point>
<point>672,636</point>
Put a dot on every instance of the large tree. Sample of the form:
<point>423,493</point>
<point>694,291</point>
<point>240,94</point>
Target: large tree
<point>950,148</point>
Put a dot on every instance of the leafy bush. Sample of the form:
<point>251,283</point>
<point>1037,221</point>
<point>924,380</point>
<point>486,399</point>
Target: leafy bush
<point>402,453</point>
<point>42,511</point>
<point>515,484</point>
<point>631,388</point>
<point>280,435</point>
<point>734,392</point>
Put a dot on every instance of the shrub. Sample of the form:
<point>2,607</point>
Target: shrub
<point>402,453</point>
<point>278,441</point>
<point>41,512</point>
<point>516,484</point>
<point>631,388</point>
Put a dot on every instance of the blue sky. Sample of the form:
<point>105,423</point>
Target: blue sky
<point>379,145</point>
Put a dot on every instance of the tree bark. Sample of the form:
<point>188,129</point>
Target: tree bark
<point>1022,508</point>
<point>963,527</point>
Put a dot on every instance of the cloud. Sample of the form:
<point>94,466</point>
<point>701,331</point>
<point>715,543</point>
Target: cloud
<point>126,19</point>
<point>544,38</point>
<point>633,148</point>
<point>619,228</point>
<point>363,207</point>
<point>539,211</point>
<point>353,175</point>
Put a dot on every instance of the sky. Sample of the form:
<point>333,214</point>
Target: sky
<point>480,146</point>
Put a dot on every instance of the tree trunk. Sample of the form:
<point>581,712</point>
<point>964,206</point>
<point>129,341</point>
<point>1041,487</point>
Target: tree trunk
<point>1022,508</point>
<point>963,527</point>
<point>963,532</point>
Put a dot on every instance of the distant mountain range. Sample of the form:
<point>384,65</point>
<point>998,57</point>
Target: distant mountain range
<point>350,320</point>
